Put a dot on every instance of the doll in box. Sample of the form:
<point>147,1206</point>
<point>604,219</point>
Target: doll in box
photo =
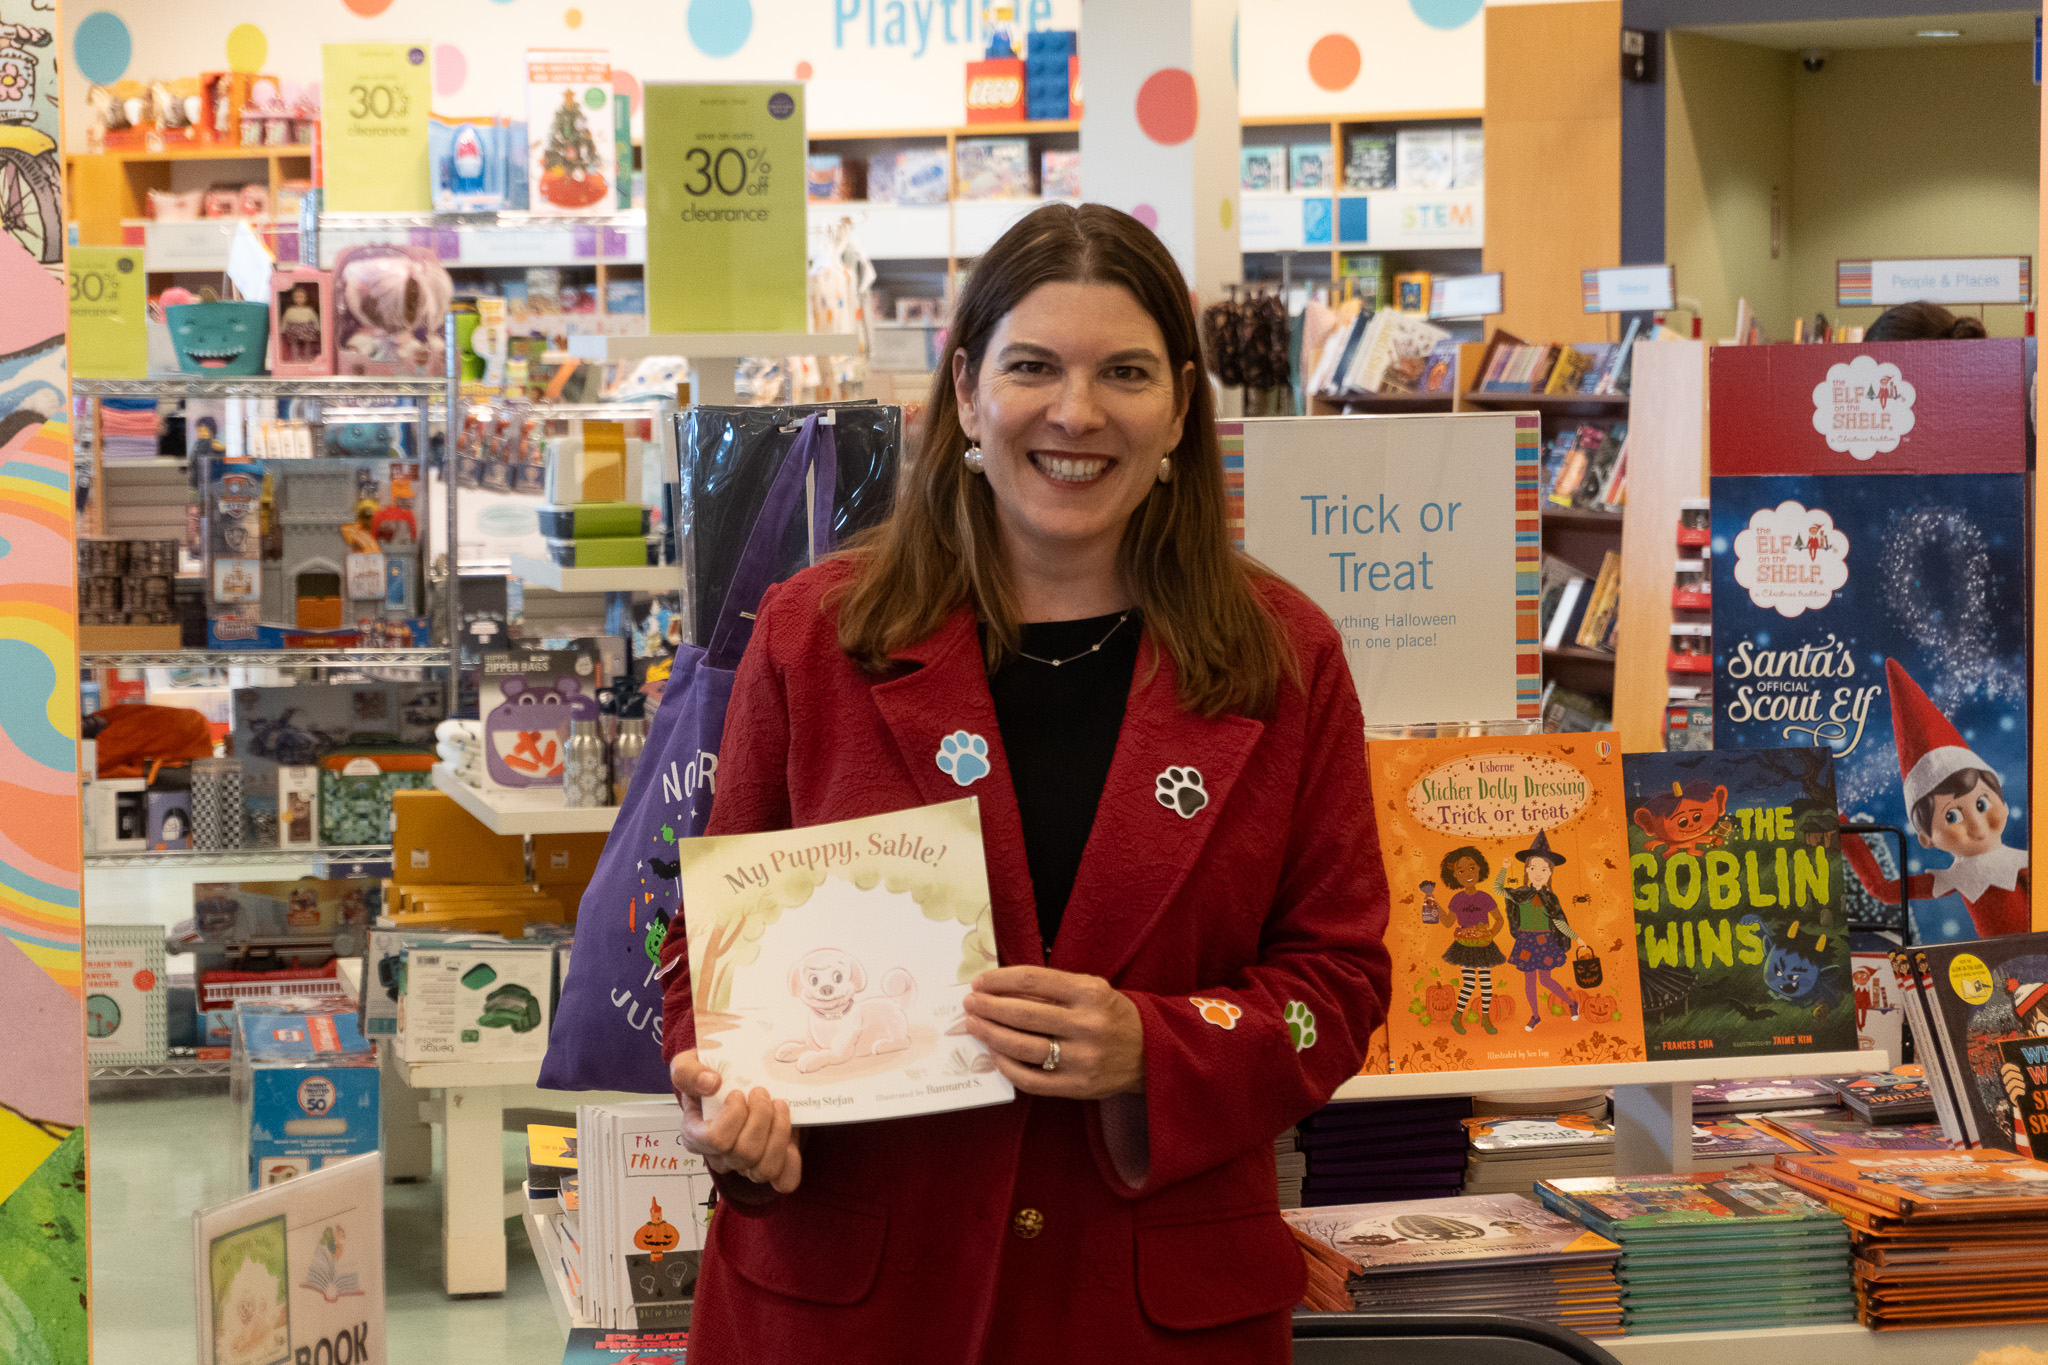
<point>389,302</point>
<point>302,321</point>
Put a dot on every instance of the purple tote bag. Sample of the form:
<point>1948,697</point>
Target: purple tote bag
<point>607,1030</point>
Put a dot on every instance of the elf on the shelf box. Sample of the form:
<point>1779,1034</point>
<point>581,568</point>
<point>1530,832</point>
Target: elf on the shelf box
<point>1870,595</point>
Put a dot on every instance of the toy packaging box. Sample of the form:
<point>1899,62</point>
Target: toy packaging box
<point>570,126</point>
<point>994,167</point>
<point>436,841</point>
<point>306,1086</point>
<point>916,175</point>
<point>472,160</point>
<point>527,699</point>
<point>475,1003</point>
<point>389,302</point>
<point>302,322</point>
<point>384,972</point>
<point>1059,174</point>
<point>356,787</point>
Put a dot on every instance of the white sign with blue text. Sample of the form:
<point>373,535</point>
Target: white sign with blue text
<point>1402,528</point>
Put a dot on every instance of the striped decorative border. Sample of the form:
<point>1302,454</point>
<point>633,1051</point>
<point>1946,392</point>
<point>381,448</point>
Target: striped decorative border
<point>1589,290</point>
<point>1852,284</point>
<point>1854,287</point>
<point>1528,566</point>
<point>1230,435</point>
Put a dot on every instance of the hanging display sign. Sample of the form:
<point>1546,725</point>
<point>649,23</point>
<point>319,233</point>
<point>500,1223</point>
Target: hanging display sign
<point>726,217</point>
<point>373,127</point>
<point>109,335</point>
<point>1870,596</point>
<point>1408,531</point>
<point>1465,296</point>
<point>1934,279</point>
<point>1629,289</point>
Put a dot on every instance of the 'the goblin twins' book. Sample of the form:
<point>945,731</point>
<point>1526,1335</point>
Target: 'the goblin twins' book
<point>829,964</point>
<point>1511,929</point>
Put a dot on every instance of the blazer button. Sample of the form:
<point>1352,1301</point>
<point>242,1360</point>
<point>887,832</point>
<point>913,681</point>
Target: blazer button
<point>1027,1223</point>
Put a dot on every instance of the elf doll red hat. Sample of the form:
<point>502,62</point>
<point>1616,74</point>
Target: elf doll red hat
<point>2027,996</point>
<point>1930,749</point>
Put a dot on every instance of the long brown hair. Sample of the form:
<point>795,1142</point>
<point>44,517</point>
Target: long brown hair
<point>941,546</point>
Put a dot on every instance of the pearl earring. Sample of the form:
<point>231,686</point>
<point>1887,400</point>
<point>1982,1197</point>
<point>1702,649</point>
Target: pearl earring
<point>975,463</point>
<point>1166,469</point>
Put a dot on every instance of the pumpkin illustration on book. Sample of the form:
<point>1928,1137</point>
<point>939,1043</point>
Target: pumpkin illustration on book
<point>656,1237</point>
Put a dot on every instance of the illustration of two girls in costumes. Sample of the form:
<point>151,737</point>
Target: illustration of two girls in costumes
<point>1532,911</point>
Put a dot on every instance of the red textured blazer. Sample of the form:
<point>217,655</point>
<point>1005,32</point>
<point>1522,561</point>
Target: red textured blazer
<point>1248,936</point>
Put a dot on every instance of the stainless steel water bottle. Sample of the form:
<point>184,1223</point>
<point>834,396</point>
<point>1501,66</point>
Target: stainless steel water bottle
<point>628,747</point>
<point>586,780</point>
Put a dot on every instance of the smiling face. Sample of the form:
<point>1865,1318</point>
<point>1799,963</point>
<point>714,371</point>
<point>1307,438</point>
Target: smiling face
<point>1968,824</point>
<point>1466,872</point>
<point>1536,871</point>
<point>826,978</point>
<point>1073,406</point>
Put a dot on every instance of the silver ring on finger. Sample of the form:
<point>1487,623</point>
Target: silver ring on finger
<point>1052,1056</point>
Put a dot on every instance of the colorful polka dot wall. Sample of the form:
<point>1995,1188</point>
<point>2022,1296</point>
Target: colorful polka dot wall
<point>451,69</point>
<point>627,87</point>
<point>369,9</point>
<point>720,28</point>
<point>1167,106</point>
<point>247,48</point>
<point>1333,62</point>
<point>102,47</point>
<point>1447,13</point>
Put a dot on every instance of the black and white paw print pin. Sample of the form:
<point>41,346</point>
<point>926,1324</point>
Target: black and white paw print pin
<point>1180,791</point>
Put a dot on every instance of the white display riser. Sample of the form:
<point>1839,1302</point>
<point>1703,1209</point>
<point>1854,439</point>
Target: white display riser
<point>1652,1100</point>
<point>1836,1344</point>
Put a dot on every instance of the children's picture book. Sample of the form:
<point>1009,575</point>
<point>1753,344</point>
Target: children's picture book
<point>125,994</point>
<point>1980,1181</point>
<point>1668,1207</point>
<point>1735,1139</point>
<point>614,1346</point>
<point>1979,995</point>
<point>295,1271</point>
<point>1369,161</point>
<point>1425,158</point>
<point>1823,1132</point>
<point>1884,620</point>
<point>1470,1230</point>
<point>1887,1097</point>
<point>1743,944</point>
<point>1263,169</point>
<point>1880,1006</point>
<point>1309,167</point>
<point>1565,1133</point>
<point>829,965</point>
<point>1752,1097</point>
<point>643,1214</point>
<point>2023,1074</point>
<point>570,129</point>
<point>1511,929</point>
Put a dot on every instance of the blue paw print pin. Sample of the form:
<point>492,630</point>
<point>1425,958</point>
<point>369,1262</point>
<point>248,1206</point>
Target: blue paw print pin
<point>963,757</point>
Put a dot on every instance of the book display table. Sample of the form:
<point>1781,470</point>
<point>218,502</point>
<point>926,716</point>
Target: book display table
<point>467,1101</point>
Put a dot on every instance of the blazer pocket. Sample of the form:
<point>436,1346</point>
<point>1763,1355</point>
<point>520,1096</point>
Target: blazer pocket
<point>821,1248</point>
<point>1197,1275</point>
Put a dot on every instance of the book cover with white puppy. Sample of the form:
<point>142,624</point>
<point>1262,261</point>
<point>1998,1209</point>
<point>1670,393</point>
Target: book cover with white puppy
<point>829,965</point>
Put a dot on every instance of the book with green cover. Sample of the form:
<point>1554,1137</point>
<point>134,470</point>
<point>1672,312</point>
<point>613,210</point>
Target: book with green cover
<point>1633,1207</point>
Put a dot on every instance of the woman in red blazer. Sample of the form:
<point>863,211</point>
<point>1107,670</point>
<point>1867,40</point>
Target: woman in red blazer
<point>1188,897</point>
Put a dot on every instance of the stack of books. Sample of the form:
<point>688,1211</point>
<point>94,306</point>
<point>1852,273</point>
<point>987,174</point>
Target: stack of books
<point>1360,1153</point>
<point>1384,352</point>
<point>1953,1239</point>
<point>644,1208</point>
<point>1510,1154</point>
<point>1830,1131</point>
<point>1721,1144</point>
<point>1978,1012</point>
<point>1761,1097</point>
<point>1498,1253</point>
<point>1588,610</point>
<point>1887,1097</point>
<point>551,1197</point>
<point>1291,1166</point>
<point>1715,1250</point>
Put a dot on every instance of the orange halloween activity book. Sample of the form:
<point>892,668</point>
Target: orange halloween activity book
<point>1512,928</point>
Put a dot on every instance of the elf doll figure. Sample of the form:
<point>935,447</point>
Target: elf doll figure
<point>1957,804</point>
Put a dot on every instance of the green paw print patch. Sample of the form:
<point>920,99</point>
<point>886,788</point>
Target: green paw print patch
<point>1301,1025</point>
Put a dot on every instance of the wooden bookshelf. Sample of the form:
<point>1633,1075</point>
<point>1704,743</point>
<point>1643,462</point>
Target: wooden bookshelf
<point>104,188</point>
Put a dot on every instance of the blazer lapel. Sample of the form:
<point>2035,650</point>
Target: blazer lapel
<point>1140,850</point>
<point>924,709</point>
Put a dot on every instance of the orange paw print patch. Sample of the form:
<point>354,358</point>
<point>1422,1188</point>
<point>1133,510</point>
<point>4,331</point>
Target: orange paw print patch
<point>1221,1013</point>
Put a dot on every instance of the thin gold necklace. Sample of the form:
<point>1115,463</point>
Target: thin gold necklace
<point>1092,649</point>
